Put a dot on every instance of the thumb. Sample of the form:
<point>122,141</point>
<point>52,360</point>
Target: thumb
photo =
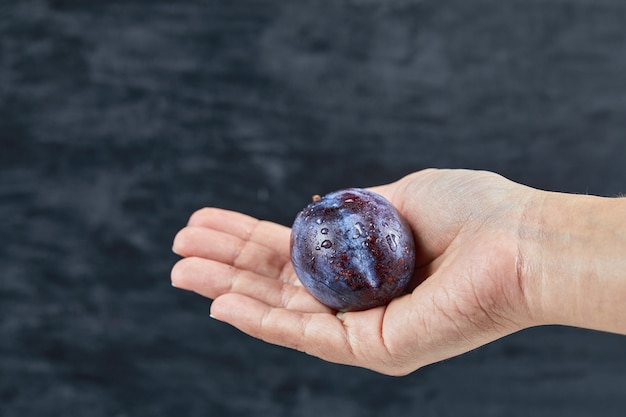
<point>405,195</point>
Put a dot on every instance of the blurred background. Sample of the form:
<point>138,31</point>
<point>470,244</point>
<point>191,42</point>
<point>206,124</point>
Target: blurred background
<point>118,119</point>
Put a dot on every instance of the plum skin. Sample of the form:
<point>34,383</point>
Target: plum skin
<point>352,250</point>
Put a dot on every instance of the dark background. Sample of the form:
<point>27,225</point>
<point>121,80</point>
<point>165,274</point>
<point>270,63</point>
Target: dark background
<point>119,118</point>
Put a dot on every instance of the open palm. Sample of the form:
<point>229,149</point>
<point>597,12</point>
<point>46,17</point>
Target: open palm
<point>468,271</point>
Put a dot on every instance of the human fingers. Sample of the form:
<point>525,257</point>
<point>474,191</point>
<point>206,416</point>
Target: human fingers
<point>247,228</point>
<point>212,279</point>
<point>386,340</point>
<point>318,334</point>
<point>229,249</point>
<point>355,338</point>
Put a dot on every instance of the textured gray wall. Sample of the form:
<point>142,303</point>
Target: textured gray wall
<point>119,118</point>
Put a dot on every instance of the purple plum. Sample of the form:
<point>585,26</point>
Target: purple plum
<point>352,250</point>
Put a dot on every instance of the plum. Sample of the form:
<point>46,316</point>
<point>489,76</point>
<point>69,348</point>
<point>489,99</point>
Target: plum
<point>352,250</point>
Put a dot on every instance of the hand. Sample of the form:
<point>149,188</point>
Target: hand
<point>476,283</point>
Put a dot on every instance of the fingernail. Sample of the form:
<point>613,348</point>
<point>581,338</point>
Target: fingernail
<point>341,315</point>
<point>174,250</point>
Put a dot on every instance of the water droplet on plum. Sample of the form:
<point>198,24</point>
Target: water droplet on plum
<point>327,244</point>
<point>360,230</point>
<point>392,241</point>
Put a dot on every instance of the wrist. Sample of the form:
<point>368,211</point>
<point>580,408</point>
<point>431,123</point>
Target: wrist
<point>574,248</point>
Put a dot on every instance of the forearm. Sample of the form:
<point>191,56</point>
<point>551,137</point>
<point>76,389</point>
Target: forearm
<point>575,252</point>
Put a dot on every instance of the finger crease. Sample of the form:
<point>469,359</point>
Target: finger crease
<point>382,335</point>
<point>245,242</point>
<point>234,279</point>
<point>284,276</point>
<point>348,339</point>
<point>284,297</point>
<point>302,343</point>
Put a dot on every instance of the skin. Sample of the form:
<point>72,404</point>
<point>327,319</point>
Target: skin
<point>494,257</point>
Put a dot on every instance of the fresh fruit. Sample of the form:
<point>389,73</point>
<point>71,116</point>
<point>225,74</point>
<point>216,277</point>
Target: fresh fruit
<point>352,250</point>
